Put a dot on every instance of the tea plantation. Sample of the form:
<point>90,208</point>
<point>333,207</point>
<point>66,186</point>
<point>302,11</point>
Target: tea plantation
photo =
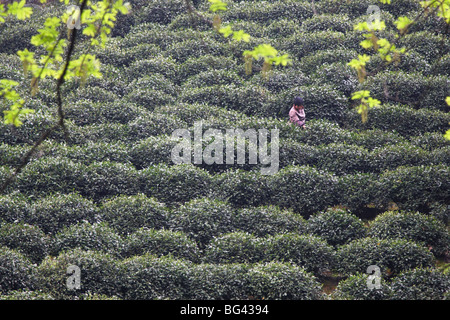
<point>348,194</point>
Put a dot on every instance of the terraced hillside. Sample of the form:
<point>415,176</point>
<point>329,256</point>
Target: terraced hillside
<point>108,199</point>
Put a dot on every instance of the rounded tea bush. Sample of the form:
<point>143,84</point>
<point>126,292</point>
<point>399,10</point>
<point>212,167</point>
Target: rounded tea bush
<point>16,271</point>
<point>218,281</point>
<point>302,189</point>
<point>240,188</point>
<point>160,243</point>
<point>126,214</point>
<point>413,188</point>
<point>51,214</point>
<point>414,226</point>
<point>148,277</point>
<point>174,184</point>
<point>203,219</point>
<point>355,287</point>
<point>99,274</point>
<point>282,281</point>
<point>268,220</point>
<point>336,226</point>
<point>14,207</point>
<point>29,240</point>
<point>153,151</point>
<point>236,247</point>
<point>421,284</point>
<point>308,251</point>
<point>392,256</point>
<point>87,236</point>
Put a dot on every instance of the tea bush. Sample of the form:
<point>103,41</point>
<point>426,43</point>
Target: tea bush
<point>174,184</point>
<point>302,189</point>
<point>240,188</point>
<point>324,22</point>
<point>355,288</point>
<point>148,277</point>
<point>219,281</point>
<point>106,179</point>
<point>14,208</point>
<point>84,112</point>
<point>236,247</point>
<point>309,63</point>
<point>302,44</point>
<point>308,251</point>
<point>26,294</point>
<point>16,271</point>
<point>87,236</point>
<point>152,124</point>
<point>414,188</point>
<point>362,193</point>
<point>430,46</point>
<point>52,213</point>
<point>160,243</point>
<point>267,220</point>
<point>99,274</point>
<point>161,65</point>
<point>126,214</point>
<point>213,77</point>
<point>208,62</point>
<point>27,239</point>
<point>413,226</point>
<point>398,118</point>
<point>336,226</point>
<point>284,9</point>
<point>421,284</point>
<point>203,219</point>
<point>282,281</point>
<point>391,255</point>
<point>339,75</point>
<point>393,156</point>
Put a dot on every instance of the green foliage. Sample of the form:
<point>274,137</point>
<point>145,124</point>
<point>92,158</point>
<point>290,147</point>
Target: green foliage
<point>14,207</point>
<point>219,281</point>
<point>203,219</point>
<point>236,247</point>
<point>160,243</point>
<point>148,277</point>
<point>282,281</point>
<point>413,226</point>
<point>27,239</point>
<point>392,256</point>
<point>414,188</point>
<point>421,284</point>
<point>355,288</point>
<point>54,212</point>
<point>87,236</point>
<point>307,251</point>
<point>304,190</point>
<point>240,188</point>
<point>175,184</point>
<point>268,220</point>
<point>99,274</point>
<point>25,294</point>
<point>336,226</point>
<point>16,271</point>
<point>127,214</point>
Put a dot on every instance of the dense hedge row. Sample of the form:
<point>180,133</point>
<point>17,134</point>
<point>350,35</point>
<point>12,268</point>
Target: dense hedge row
<point>302,188</point>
